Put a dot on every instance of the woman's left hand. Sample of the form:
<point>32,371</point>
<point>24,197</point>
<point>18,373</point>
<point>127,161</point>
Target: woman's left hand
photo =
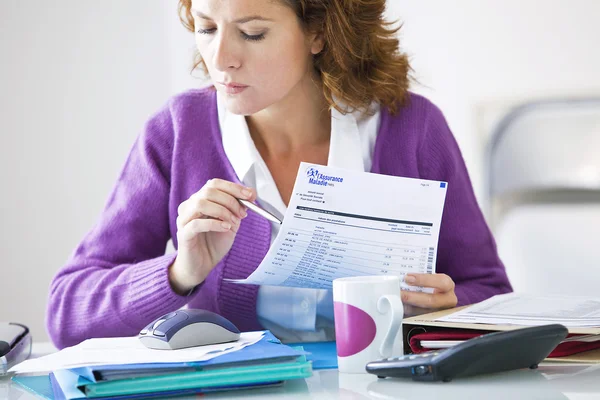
<point>443,295</point>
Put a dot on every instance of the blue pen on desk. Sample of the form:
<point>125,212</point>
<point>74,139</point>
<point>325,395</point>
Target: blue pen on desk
<point>260,211</point>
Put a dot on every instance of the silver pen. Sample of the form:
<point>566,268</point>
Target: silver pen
<point>260,211</point>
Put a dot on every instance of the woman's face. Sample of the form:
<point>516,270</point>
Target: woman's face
<point>256,51</point>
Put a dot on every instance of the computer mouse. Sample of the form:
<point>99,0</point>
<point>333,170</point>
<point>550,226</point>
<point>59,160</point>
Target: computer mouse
<point>188,328</point>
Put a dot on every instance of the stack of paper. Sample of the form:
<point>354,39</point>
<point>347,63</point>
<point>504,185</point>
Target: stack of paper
<point>123,368</point>
<point>524,309</point>
<point>446,328</point>
<point>128,350</point>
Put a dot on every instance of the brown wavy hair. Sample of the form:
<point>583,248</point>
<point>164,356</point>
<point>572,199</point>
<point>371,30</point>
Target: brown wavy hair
<point>361,61</point>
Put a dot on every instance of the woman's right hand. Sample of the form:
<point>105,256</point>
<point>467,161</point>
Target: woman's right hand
<point>207,223</point>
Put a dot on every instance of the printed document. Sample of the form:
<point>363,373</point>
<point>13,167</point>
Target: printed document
<point>128,350</point>
<point>529,309</point>
<point>342,223</point>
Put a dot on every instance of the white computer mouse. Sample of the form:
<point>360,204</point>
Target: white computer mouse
<point>188,328</point>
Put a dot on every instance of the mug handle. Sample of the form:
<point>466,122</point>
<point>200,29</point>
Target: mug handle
<point>393,303</point>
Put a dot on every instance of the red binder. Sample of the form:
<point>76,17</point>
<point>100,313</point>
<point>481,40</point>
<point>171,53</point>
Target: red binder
<point>564,349</point>
<point>427,327</point>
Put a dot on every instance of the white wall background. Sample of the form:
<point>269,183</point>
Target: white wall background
<point>472,55</point>
<point>78,79</point>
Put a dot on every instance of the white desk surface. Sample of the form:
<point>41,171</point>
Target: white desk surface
<point>548,382</point>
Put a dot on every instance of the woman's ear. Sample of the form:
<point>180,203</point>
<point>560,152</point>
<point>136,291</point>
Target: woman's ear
<point>317,43</point>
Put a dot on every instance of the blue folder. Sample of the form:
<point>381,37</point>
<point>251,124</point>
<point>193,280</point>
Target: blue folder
<point>38,385</point>
<point>66,385</point>
<point>47,387</point>
<point>266,349</point>
<point>322,354</point>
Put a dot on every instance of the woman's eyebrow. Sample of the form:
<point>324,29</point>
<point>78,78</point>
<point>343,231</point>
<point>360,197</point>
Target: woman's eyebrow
<point>237,21</point>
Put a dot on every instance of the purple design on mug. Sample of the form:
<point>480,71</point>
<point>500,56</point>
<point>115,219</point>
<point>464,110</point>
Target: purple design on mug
<point>354,329</point>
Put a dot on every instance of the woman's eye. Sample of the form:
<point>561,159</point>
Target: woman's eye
<point>253,38</point>
<point>245,36</point>
<point>206,31</point>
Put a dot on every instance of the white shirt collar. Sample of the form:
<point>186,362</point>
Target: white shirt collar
<point>237,142</point>
<point>346,149</point>
<point>345,144</point>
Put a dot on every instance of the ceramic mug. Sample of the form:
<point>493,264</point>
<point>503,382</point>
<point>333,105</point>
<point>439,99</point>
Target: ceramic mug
<point>368,316</point>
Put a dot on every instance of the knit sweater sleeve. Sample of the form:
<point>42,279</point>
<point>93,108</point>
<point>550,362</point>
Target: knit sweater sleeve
<point>116,280</point>
<point>467,250</point>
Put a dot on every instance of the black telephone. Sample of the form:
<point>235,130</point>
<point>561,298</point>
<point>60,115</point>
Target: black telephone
<point>493,352</point>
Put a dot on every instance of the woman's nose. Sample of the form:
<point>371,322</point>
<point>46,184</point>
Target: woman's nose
<point>225,56</point>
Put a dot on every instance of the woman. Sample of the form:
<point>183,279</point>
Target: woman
<point>288,75</point>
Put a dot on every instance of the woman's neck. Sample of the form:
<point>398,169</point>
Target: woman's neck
<point>298,122</point>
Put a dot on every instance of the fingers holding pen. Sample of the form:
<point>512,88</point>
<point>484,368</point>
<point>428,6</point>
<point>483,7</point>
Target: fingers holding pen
<point>233,189</point>
<point>216,200</point>
<point>198,226</point>
<point>206,209</point>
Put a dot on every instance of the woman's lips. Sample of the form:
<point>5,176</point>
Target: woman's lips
<point>233,88</point>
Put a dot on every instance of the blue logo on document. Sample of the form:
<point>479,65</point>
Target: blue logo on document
<point>442,184</point>
<point>312,172</point>
<point>316,178</point>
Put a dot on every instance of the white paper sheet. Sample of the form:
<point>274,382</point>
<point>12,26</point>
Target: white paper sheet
<point>444,344</point>
<point>343,223</point>
<point>128,350</point>
<point>526,309</point>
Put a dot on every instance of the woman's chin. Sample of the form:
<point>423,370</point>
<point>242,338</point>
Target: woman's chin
<point>241,106</point>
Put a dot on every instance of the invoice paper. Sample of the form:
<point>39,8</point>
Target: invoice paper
<point>342,223</point>
<point>531,309</point>
<point>128,350</point>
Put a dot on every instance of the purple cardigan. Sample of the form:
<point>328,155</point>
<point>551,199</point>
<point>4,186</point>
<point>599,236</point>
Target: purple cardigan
<point>116,280</point>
